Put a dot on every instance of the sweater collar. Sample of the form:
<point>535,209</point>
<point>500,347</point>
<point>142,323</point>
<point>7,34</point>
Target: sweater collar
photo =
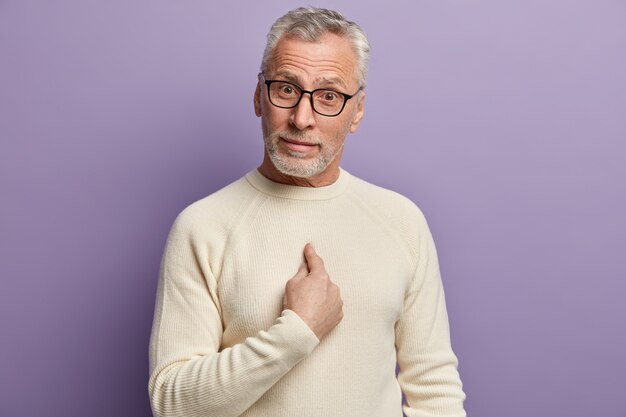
<point>294,192</point>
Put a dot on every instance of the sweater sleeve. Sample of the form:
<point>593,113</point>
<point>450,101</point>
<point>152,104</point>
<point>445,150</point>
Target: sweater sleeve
<point>428,373</point>
<point>189,374</point>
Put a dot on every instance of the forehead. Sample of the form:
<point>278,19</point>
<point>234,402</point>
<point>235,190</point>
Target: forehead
<point>330,61</point>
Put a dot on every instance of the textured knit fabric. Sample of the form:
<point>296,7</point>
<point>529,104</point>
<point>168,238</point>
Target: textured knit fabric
<point>222,345</point>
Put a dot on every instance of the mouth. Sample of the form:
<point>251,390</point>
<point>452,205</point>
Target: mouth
<point>298,146</point>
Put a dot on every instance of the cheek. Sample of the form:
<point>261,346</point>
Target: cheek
<point>266,123</point>
<point>342,130</point>
<point>272,119</point>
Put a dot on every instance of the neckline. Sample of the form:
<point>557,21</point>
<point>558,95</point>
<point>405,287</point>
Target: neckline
<point>294,192</point>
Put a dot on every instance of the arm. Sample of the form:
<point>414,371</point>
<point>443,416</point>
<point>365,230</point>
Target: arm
<point>190,376</point>
<point>428,368</point>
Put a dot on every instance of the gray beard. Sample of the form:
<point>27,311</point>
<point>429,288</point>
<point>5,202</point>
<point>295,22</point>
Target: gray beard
<point>293,164</point>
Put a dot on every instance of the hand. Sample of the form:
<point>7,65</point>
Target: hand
<point>313,296</point>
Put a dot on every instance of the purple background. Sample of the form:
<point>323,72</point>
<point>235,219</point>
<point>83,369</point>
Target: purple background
<point>504,120</point>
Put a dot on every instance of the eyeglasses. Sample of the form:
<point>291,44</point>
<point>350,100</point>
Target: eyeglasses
<point>326,102</point>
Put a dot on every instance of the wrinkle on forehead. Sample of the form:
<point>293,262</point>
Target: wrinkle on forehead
<point>323,81</point>
<point>331,61</point>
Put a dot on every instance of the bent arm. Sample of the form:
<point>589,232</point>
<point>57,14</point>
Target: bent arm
<point>189,375</point>
<point>227,383</point>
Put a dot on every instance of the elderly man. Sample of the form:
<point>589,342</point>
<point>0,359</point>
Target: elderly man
<point>296,290</point>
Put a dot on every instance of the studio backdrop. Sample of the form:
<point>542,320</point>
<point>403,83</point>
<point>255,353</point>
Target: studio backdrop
<point>503,120</point>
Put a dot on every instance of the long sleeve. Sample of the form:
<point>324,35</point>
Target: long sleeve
<point>190,376</point>
<point>428,373</point>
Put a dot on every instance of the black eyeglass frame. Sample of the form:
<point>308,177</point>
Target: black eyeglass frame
<point>302,91</point>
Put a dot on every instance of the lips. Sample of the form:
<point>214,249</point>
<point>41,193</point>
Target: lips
<point>298,146</point>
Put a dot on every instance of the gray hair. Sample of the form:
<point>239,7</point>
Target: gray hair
<point>310,24</point>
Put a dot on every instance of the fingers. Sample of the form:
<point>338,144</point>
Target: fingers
<point>313,296</point>
<point>313,260</point>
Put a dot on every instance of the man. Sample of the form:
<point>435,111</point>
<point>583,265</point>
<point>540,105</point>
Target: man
<point>296,290</point>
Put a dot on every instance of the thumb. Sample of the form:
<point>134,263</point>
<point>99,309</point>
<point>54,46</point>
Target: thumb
<point>303,270</point>
<point>313,260</point>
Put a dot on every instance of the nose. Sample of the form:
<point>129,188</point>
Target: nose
<point>303,116</point>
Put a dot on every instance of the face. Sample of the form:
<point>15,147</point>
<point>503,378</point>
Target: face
<point>299,142</point>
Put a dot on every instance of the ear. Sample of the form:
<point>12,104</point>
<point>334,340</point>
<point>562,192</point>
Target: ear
<point>356,121</point>
<point>257,100</point>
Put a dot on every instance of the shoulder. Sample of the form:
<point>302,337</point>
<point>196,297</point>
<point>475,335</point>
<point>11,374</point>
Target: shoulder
<point>385,202</point>
<point>394,211</point>
<point>216,212</point>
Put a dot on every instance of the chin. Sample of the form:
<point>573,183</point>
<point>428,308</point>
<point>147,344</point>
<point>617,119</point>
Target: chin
<point>293,166</point>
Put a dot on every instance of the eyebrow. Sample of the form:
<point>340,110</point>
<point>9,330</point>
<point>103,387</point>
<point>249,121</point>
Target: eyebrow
<point>320,82</point>
<point>331,81</point>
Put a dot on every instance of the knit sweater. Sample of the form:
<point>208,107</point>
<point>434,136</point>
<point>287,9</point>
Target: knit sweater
<point>223,346</point>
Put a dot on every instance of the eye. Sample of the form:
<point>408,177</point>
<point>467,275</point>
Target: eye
<point>329,96</point>
<point>287,89</point>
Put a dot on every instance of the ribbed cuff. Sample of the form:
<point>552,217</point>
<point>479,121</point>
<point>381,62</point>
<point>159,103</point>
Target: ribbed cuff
<point>297,335</point>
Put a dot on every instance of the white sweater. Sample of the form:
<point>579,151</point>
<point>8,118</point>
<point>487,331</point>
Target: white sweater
<point>222,346</point>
